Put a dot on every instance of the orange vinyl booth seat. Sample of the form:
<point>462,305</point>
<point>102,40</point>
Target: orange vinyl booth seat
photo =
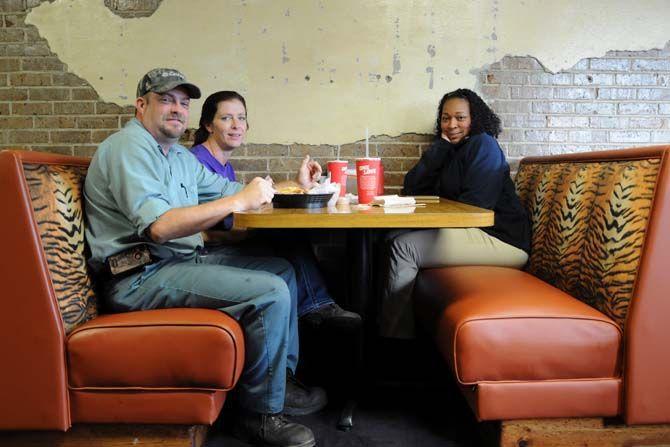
<point>65,364</point>
<point>583,331</point>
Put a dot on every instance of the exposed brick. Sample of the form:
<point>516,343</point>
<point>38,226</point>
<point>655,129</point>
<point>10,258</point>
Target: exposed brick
<point>661,137</point>
<point>9,64</point>
<point>550,79</point>
<point>108,108</point>
<point>284,165</point>
<point>64,150</point>
<point>607,122</point>
<point>49,94</point>
<point>521,63</point>
<point>11,35</point>
<point>506,77</point>
<point>74,108</point>
<point>11,6</point>
<point>629,136</point>
<point>4,80</point>
<point>32,108</point>
<point>55,122</point>
<point>35,49</point>
<point>33,35</point>
<point>531,93</point>
<point>398,150</point>
<point>553,107</point>
<point>13,94</point>
<point>68,79</point>
<point>495,91</point>
<point>509,121</point>
<point>354,150</point>
<point>82,94</point>
<point>408,138</point>
<point>636,79</point>
<point>664,109</point>
<point>98,136</point>
<point>394,164</point>
<point>654,94</point>
<point>651,65</point>
<point>70,136</point>
<point>587,136</point>
<point>30,79</point>
<point>503,106</point>
<point>595,108</point>
<point>594,79</point>
<point>266,150</point>
<point>617,93</point>
<point>42,64</point>
<point>574,93</point>
<point>645,123</point>
<point>4,109</point>
<point>12,20</point>
<point>567,121</point>
<point>251,164</point>
<point>546,135</point>
<point>124,119</point>
<point>301,150</point>
<point>28,136</point>
<point>610,64</point>
<point>581,65</point>
<point>84,150</point>
<point>16,122</point>
<point>98,122</point>
<point>246,177</point>
<point>637,108</point>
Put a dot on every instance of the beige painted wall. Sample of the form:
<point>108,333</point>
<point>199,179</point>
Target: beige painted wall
<point>320,71</point>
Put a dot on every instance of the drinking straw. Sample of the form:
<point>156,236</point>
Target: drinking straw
<point>338,152</point>
<point>367,145</point>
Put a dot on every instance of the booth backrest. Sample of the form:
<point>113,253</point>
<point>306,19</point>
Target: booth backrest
<point>601,232</point>
<point>56,194</point>
<point>589,221</point>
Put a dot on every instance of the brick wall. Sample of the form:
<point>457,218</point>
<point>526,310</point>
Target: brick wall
<point>619,100</point>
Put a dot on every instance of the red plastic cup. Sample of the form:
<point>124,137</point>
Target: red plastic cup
<point>338,174</point>
<point>368,171</point>
<point>380,180</point>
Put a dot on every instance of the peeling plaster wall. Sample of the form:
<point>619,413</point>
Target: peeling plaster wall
<point>320,71</point>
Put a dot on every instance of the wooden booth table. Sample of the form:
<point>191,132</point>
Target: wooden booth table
<point>361,223</point>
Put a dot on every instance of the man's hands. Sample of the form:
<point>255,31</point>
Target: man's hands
<point>256,193</point>
<point>309,172</point>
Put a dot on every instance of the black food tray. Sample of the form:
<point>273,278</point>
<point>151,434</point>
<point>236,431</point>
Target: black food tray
<point>301,200</point>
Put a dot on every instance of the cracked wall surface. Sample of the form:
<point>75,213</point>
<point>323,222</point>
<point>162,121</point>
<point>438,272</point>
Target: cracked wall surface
<point>320,71</point>
<point>615,96</point>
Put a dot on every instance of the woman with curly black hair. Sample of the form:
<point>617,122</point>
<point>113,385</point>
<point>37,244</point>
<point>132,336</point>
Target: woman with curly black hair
<point>466,164</point>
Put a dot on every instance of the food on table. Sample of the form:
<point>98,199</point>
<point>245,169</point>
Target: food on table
<point>289,187</point>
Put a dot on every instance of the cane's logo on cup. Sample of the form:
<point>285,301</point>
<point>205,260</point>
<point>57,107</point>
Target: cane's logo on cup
<point>367,173</point>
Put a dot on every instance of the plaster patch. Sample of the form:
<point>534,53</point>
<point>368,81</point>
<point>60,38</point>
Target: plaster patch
<point>216,43</point>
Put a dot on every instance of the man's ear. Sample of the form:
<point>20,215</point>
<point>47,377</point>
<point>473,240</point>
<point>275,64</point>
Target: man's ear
<point>141,104</point>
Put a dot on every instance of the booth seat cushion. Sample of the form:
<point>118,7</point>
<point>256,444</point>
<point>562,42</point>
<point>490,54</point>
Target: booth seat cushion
<point>156,349</point>
<point>499,324</point>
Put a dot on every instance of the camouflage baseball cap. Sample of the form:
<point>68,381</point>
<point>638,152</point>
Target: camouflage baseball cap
<point>161,80</point>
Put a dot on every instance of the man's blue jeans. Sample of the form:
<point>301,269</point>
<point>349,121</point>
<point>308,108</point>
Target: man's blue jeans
<point>259,292</point>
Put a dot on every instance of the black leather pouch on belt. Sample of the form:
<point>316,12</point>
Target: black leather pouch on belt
<point>128,261</point>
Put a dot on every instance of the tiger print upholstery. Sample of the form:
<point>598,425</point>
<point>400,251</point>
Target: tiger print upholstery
<point>56,195</point>
<point>589,222</point>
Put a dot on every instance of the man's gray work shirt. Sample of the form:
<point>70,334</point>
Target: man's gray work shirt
<point>131,183</point>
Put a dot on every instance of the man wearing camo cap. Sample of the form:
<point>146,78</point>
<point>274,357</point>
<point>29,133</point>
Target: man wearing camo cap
<point>144,191</point>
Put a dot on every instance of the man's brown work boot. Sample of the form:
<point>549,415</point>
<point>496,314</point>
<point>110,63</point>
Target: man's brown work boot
<point>272,430</point>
